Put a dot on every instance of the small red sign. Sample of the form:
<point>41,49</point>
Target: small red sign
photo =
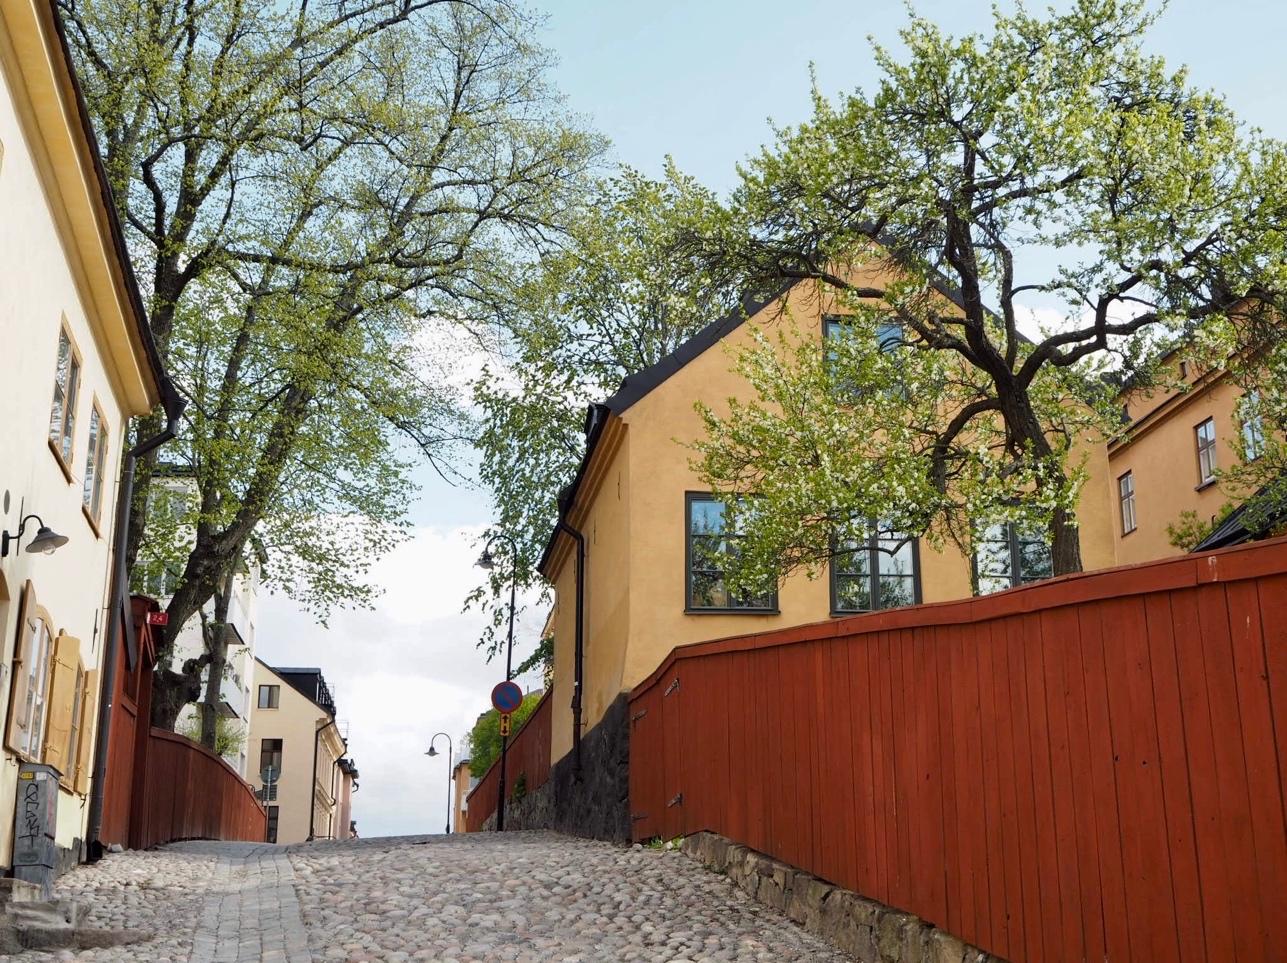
<point>158,618</point>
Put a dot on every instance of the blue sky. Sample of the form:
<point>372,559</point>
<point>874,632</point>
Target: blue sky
<point>697,80</point>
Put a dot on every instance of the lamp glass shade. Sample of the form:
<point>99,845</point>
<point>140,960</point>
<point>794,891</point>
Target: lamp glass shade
<point>432,751</point>
<point>47,541</point>
<point>485,561</point>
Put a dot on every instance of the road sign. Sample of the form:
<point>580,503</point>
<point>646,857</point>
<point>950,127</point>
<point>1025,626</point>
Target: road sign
<point>506,697</point>
<point>504,724</point>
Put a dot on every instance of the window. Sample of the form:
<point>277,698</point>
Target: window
<point>1206,451</point>
<point>62,415</point>
<point>1253,427</point>
<point>77,720</point>
<point>36,685</point>
<point>272,823</point>
<point>270,754</point>
<point>879,572</point>
<point>1184,370</point>
<point>710,543</point>
<point>269,696</point>
<point>1126,496</point>
<point>95,462</point>
<point>1007,556</point>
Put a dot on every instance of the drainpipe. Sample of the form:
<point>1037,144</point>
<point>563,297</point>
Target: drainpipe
<point>579,659</point>
<point>312,786</point>
<point>174,404</point>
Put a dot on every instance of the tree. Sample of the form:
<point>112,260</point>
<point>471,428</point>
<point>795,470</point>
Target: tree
<point>484,739</point>
<point>314,198</point>
<point>616,296</point>
<point>230,735</point>
<point>976,164</point>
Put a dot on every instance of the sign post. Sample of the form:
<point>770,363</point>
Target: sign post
<point>506,698</point>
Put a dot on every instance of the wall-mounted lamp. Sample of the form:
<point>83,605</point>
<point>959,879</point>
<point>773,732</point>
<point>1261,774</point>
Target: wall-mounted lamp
<point>46,540</point>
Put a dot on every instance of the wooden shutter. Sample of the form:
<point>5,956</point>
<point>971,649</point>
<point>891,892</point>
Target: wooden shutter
<point>88,730</point>
<point>62,698</point>
<point>16,728</point>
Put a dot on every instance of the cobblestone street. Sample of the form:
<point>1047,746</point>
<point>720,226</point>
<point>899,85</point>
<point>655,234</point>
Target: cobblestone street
<point>522,897</point>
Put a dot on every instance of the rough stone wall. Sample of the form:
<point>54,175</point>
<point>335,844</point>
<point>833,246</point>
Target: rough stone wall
<point>872,932</point>
<point>596,805</point>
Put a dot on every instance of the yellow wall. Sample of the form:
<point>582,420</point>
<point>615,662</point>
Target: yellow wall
<point>1160,450</point>
<point>636,613</point>
<point>295,722</point>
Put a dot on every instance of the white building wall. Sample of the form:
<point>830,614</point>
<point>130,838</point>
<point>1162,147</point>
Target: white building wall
<point>39,291</point>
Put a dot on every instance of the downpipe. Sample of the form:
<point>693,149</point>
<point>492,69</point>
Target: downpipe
<point>579,658</point>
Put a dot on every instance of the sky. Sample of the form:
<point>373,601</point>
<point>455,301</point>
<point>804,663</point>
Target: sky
<point>699,81</point>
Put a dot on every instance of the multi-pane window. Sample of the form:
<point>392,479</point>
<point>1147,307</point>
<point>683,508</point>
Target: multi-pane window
<point>1253,427</point>
<point>62,414</point>
<point>95,463</point>
<point>1126,496</point>
<point>272,823</point>
<point>33,709</point>
<point>270,755</point>
<point>878,572</point>
<point>1206,439</point>
<point>1007,555</point>
<point>77,722</point>
<point>712,540</point>
<point>269,696</point>
<point>889,334</point>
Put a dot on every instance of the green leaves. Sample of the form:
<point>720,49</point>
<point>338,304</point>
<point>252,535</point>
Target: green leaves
<point>1053,160</point>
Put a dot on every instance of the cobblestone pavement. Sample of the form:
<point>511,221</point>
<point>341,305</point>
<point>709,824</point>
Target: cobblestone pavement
<point>522,897</point>
<point>530,898</point>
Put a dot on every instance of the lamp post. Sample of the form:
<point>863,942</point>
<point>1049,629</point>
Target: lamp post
<point>433,752</point>
<point>487,562</point>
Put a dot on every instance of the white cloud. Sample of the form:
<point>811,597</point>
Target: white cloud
<point>401,672</point>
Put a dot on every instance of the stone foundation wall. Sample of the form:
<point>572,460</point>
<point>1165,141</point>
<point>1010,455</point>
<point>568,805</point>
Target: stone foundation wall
<point>872,932</point>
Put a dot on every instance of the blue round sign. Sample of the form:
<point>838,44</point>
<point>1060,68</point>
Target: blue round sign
<point>507,697</point>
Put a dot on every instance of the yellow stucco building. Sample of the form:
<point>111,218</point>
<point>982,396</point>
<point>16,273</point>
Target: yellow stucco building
<point>644,520</point>
<point>293,731</point>
<point>79,363</point>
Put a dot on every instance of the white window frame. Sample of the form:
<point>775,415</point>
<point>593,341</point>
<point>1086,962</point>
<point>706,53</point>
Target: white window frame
<point>1126,501</point>
<point>1205,435</point>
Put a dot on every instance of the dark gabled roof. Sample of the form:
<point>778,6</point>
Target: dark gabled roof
<point>1246,523</point>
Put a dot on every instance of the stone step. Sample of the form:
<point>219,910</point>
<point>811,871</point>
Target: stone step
<point>18,891</point>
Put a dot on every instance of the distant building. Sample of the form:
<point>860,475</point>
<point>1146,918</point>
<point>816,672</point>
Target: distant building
<point>462,781</point>
<point>298,754</point>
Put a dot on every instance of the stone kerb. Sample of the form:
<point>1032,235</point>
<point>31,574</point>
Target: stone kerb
<point>872,932</point>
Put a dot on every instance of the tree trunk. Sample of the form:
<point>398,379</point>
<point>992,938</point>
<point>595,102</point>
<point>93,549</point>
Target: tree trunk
<point>1065,543</point>
<point>216,640</point>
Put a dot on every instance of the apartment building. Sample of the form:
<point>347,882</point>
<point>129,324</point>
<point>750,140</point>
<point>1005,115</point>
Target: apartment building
<point>299,755</point>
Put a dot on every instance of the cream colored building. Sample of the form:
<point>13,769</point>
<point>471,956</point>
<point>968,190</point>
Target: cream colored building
<point>79,363</point>
<point>293,730</point>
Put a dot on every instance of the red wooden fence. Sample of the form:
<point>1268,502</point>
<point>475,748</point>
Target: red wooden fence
<point>191,793</point>
<point>1091,768</point>
<point>528,756</point>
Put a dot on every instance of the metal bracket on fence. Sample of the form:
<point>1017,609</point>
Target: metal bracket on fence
<point>638,715</point>
<point>636,817</point>
<point>671,688</point>
<point>677,801</point>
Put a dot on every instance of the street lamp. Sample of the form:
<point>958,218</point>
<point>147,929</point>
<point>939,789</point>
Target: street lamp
<point>487,562</point>
<point>433,752</point>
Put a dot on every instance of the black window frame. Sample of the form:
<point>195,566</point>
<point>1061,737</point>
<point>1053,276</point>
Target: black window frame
<point>274,818</point>
<point>873,572</point>
<point>275,696</point>
<point>280,752</point>
<point>1014,546</point>
<point>1122,498</point>
<point>1204,447</point>
<point>689,608</point>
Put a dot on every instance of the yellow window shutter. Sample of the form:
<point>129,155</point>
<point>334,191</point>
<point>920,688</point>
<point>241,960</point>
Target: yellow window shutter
<point>16,727</point>
<point>88,730</point>
<point>62,696</point>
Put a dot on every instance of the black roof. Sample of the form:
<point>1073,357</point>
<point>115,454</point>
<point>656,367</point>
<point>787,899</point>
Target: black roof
<point>308,682</point>
<point>1248,522</point>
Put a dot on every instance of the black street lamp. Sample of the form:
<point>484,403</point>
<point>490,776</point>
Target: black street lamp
<point>433,752</point>
<point>487,562</point>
